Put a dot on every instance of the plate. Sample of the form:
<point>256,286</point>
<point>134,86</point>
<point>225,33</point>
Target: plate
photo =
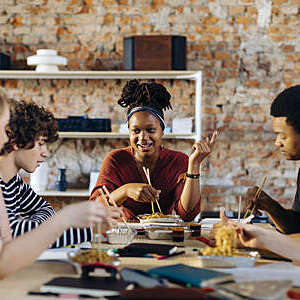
<point>109,258</point>
<point>246,261</point>
<point>146,218</point>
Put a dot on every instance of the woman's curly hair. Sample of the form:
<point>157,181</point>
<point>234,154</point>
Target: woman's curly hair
<point>28,121</point>
<point>150,94</point>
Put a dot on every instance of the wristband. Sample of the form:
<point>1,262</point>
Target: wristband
<point>193,176</point>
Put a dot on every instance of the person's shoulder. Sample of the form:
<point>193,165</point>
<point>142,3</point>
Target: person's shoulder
<point>119,155</point>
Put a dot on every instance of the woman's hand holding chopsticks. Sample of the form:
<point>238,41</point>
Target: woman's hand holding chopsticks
<point>141,192</point>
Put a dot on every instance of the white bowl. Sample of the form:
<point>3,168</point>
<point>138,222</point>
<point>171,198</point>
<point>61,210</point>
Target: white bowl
<point>121,236</point>
<point>46,60</point>
<point>46,52</point>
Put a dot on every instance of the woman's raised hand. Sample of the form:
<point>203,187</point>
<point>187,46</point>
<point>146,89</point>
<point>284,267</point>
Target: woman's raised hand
<point>141,192</point>
<point>203,148</point>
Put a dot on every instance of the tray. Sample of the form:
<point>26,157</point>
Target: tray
<point>164,234</point>
<point>246,261</point>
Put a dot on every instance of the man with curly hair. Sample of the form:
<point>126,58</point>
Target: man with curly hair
<point>31,128</point>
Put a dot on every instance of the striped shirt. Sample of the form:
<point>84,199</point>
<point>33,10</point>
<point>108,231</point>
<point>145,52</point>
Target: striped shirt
<point>26,210</point>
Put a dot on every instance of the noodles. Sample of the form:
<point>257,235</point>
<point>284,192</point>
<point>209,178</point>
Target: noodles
<point>92,257</point>
<point>156,215</point>
<point>225,243</point>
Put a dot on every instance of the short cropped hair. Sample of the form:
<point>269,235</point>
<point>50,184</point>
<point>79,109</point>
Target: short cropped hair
<point>28,121</point>
<point>287,104</point>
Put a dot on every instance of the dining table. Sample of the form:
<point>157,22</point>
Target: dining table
<point>18,285</point>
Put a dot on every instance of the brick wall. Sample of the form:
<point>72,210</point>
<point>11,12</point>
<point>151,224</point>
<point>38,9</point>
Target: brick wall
<point>248,51</point>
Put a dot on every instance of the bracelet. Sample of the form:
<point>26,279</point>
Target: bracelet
<point>193,176</point>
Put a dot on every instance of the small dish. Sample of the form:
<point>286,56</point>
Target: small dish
<point>245,261</point>
<point>121,236</point>
<point>164,234</point>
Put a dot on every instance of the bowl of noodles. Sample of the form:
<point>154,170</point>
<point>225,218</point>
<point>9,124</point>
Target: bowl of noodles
<point>92,257</point>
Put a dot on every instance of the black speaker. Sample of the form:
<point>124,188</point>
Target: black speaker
<point>84,125</point>
<point>155,52</point>
<point>4,62</point>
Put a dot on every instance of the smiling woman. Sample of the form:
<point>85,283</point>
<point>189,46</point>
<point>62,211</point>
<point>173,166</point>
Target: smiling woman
<point>173,180</point>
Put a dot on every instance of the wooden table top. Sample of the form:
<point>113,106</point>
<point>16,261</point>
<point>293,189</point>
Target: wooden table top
<point>32,277</point>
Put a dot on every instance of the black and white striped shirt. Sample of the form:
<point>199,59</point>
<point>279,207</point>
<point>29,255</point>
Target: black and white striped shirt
<point>26,210</point>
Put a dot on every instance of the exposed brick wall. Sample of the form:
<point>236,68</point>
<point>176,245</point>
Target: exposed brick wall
<point>248,51</point>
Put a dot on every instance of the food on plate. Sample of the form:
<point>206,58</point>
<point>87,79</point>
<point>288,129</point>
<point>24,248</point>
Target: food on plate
<point>225,243</point>
<point>156,215</point>
<point>92,256</point>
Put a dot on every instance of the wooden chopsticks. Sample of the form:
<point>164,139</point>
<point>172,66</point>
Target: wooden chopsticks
<point>257,194</point>
<point>107,193</point>
<point>147,173</point>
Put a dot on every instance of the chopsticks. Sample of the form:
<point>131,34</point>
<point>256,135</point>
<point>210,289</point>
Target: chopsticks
<point>113,202</point>
<point>257,194</point>
<point>97,241</point>
<point>239,210</point>
<point>147,173</point>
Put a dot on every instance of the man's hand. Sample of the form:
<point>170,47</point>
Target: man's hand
<point>263,202</point>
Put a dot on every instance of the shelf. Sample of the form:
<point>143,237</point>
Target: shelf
<point>67,193</point>
<point>190,75</point>
<point>185,75</point>
<point>116,135</point>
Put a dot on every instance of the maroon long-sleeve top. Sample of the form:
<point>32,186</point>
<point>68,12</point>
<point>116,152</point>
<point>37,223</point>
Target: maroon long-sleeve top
<point>119,167</point>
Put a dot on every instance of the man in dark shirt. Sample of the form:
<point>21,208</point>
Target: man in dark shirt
<point>285,112</point>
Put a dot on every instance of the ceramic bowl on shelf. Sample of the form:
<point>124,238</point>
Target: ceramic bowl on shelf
<point>46,60</point>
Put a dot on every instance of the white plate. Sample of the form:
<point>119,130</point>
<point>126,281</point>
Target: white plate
<point>167,219</point>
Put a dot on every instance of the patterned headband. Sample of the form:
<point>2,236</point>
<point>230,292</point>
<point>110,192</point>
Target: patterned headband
<point>151,110</point>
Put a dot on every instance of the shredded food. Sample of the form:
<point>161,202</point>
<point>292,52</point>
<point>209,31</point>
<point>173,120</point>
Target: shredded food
<point>225,243</point>
<point>156,215</point>
<point>92,257</point>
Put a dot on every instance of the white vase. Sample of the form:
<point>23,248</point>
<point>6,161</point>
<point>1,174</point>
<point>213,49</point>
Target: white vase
<point>46,60</point>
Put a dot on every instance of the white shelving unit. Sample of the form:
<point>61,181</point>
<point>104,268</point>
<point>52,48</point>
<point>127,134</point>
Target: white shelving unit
<point>185,75</point>
<point>116,135</point>
<point>176,75</point>
<point>67,193</point>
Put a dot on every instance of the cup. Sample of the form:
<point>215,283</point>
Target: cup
<point>178,234</point>
<point>196,229</point>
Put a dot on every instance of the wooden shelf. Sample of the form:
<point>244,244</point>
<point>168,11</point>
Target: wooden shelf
<point>67,193</point>
<point>116,135</point>
<point>190,75</point>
